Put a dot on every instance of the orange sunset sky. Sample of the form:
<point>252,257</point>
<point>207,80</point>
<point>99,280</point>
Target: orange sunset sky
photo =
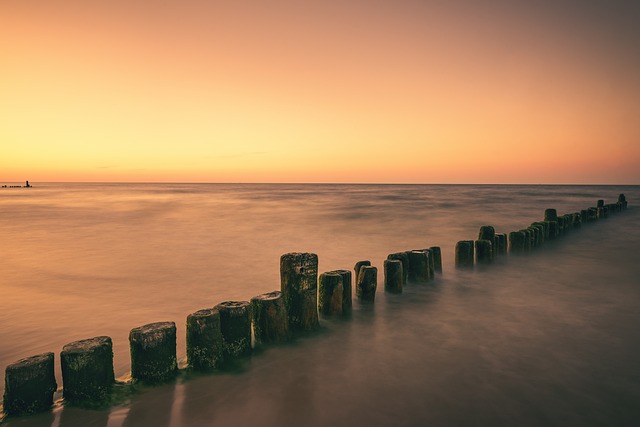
<point>320,91</point>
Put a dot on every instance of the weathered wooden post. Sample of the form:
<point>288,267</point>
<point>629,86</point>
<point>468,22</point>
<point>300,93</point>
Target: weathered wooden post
<point>584,215</point>
<point>527,240</point>
<point>87,369</point>
<point>235,325</point>
<point>436,254</point>
<point>592,213</point>
<point>299,286</point>
<point>270,323</point>
<point>393,276</point>
<point>600,212</point>
<point>464,254</point>
<point>404,258</point>
<point>330,290</point>
<point>359,266</point>
<point>153,352</point>
<point>488,232</point>
<point>600,203</point>
<point>553,229</point>
<point>550,215</point>
<point>204,340</point>
<point>622,199</point>
<point>346,290</point>
<point>577,220</point>
<point>484,251</point>
<point>516,242</point>
<point>500,242</point>
<point>367,283</point>
<point>29,385</point>
<point>418,266</point>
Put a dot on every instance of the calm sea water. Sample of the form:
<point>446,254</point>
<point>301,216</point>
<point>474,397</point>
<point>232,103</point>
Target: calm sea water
<point>545,339</point>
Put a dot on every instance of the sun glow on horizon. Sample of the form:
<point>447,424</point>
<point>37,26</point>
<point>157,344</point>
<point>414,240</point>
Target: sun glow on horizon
<point>323,92</point>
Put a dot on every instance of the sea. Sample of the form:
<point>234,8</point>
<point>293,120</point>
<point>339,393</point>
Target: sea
<point>547,338</point>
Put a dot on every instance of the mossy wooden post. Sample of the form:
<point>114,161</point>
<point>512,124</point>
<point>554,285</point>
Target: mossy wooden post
<point>367,283</point>
<point>153,352</point>
<point>204,340</point>
<point>600,213</point>
<point>484,251</point>
<point>29,385</point>
<point>436,254</point>
<point>592,213</point>
<point>87,369</point>
<point>299,286</point>
<point>358,267</point>
<point>516,242</point>
<point>270,323</point>
<point>393,276</point>
<point>330,289</point>
<point>553,229</point>
<point>404,258</point>
<point>347,290</point>
<point>464,254</point>
<point>235,324</point>
<point>600,203</point>
<point>418,266</point>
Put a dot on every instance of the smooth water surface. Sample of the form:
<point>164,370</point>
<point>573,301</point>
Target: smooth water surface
<point>550,338</point>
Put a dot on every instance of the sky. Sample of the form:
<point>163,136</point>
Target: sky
<point>397,91</point>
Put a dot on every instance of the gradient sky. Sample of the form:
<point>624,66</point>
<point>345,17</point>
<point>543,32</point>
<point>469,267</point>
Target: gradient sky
<point>320,91</point>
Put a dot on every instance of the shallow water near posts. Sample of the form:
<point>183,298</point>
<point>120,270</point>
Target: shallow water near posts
<point>547,338</point>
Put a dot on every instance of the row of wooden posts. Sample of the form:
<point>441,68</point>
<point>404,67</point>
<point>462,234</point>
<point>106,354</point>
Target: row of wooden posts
<point>220,335</point>
<point>490,244</point>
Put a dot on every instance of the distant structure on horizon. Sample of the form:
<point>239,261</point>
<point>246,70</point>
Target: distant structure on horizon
<point>27,185</point>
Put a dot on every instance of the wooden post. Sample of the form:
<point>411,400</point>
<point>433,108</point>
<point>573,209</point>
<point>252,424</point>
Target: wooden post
<point>153,352</point>
<point>393,276</point>
<point>235,325</point>
<point>418,267</point>
<point>550,215</point>
<point>204,340</point>
<point>367,283</point>
<point>347,290</point>
<point>29,385</point>
<point>330,289</point>
<point>358,267</point>
<point>436,254</point>
<point>516,242</point>
<point>404,258</point>
<point>87,369</point>
<point>464,254</point>
<point>270,324</point>
<point>484,251</point>
<point>299,286</point>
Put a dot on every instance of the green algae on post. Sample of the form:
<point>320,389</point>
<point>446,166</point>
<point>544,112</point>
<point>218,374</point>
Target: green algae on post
<point>235,324</point>
<point>204,340</point>
<point>87,370</point>
<point>29,385</point>
<point>269,315</point>
<point>153,352</point>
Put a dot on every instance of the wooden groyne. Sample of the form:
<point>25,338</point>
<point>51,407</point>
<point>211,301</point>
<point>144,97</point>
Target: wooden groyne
<point>216,337</point>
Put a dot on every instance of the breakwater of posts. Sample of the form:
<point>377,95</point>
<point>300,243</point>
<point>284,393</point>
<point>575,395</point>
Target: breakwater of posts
<point>218,337</point>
